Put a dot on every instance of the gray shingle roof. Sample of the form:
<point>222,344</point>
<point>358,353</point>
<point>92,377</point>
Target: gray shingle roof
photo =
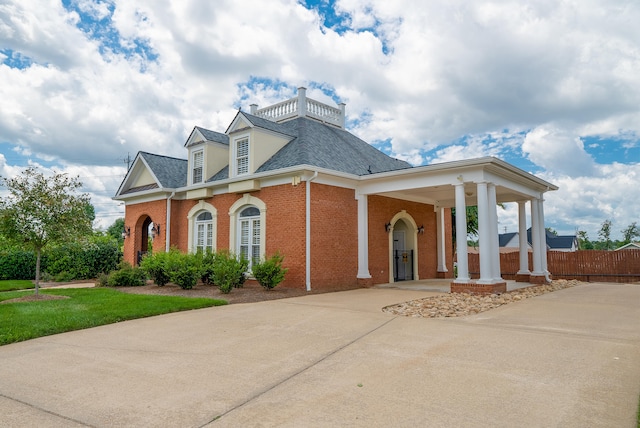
<point>171,172</point>
<point>325,146</point>
<point>555,241</point>
<point>208,135</point>
<point>313,143</point>
<point>282,128</point>
<point>505,238</point>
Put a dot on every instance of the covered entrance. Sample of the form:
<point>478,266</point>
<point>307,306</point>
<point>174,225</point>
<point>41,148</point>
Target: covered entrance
<point>482,182</point>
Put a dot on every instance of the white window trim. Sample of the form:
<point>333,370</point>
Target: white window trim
<point>193,156</point>
<point>235,155</point>
<point>234,212</point>
<point>191,216</point>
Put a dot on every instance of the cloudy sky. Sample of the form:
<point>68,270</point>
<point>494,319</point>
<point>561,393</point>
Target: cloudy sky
<point>551,86</point>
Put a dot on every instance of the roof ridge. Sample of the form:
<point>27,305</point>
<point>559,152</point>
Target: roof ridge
<point>161,156</point>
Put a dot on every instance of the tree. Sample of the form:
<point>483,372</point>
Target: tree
<point>472,222</point>
<point>605,234</point>
<point>583,241</point>
<point>40,210</point>
<point>630,233</point>
<point>115,230</point>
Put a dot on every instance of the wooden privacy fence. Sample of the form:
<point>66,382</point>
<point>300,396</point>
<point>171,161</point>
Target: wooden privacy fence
<point>586,265</point>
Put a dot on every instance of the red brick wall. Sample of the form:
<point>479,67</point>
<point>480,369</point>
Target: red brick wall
<point>285,226</point>
<point>381,211</point>
<point>334,232</point>
<point>334,237</point>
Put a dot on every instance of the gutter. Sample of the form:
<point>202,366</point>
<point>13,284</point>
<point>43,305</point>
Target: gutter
<point>167,227</point>
<point>308,229</point>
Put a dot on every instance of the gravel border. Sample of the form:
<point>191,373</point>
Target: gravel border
<point>462,304</point>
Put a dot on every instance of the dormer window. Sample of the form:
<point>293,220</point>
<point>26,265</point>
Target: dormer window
<point>197,166</point>
<point>242,156</point>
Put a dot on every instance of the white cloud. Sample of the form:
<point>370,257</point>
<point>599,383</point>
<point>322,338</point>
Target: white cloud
<point>453,69</point>
<point>584,203</point>
<point>558,150</point>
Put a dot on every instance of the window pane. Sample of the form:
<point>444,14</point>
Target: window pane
<point>243,165</point>
<point>210,236</point>
<point>242,156</point>
<point>200,238</point>
<point>243,148</point>
<point>244,232</point>
<point>198,159</point>
<point>256,232</point>
<point>255,254</point>
<point>250,212</point>
<point>204,216</point>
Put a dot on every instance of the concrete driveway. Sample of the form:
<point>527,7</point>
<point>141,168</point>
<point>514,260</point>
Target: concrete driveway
<point>566,359</point>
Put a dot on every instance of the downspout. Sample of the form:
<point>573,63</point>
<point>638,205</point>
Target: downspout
<point>167,227</point>
<point>308,230</point>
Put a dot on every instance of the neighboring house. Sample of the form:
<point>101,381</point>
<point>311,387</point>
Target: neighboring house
<point>510,242</point>
<point>566,243</point>
<point>630,246</point>
<point>289,178</point>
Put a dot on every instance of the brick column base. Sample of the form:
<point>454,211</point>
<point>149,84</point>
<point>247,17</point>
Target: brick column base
<point>475,288</point>
<point>441,274</point>
<point>537,279</point>
<point>522,277</point>
<point>365,282</point>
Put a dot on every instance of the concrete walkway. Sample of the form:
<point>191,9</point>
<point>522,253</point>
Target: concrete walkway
<point>565,359</point>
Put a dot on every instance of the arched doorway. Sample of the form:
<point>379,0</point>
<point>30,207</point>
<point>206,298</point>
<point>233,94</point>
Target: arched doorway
<point>403,248</point>
<point>145,233</point>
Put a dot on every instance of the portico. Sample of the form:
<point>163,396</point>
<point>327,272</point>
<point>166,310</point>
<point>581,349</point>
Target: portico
<point>484,182</point>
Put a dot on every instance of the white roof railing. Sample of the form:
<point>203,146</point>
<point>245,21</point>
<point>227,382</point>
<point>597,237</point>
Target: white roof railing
<point>301,106</point>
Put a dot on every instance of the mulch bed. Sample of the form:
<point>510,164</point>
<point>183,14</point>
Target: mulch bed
<point>250,292</point>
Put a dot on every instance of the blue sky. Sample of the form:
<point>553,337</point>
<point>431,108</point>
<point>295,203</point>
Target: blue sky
<point>551,87</point>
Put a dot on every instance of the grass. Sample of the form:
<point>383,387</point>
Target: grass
<point>87,307</point>
<point>16,284</point>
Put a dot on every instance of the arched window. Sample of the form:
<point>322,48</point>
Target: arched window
<point>203,232</point>
<point>249,234</point>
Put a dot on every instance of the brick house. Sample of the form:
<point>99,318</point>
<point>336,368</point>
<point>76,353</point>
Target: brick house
<point>290,178</point>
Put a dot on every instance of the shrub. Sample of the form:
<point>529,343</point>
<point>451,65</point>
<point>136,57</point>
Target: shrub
<point>185,271</point>
<point>126,276</point>
<point>205,262</point>
<point>269,273</point>
<point>75,260</point>
<point>102,280</point>
<point>228,271</point>
<point>159,266</point>
<point>63,277</point>
<point>17,264</point>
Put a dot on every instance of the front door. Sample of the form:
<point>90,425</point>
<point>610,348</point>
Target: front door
<point>399,268</point>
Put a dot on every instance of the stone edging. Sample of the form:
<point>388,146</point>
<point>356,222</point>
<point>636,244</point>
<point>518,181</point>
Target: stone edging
<point>462,304</point>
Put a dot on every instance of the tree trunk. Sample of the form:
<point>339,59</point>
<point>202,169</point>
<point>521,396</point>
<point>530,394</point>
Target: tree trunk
<point>37,271</point>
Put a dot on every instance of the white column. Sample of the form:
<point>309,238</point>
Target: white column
<point>484,235</point>
<point>543,233</point>
<point>495,245</point>
<point>302,101</point>
<point>461,235</point>
<point>535,237</point>
<point>522,237</point>
<point>363,237</point>
<point>440,242</point>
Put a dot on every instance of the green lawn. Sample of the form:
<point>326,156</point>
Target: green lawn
<point>87,307</point>
<point>13,284</point>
